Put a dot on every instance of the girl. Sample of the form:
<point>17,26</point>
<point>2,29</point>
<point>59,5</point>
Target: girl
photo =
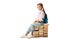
<point>39,20</point>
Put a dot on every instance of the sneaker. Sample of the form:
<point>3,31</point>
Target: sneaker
<point>30,36</point>
<point>23,36</point>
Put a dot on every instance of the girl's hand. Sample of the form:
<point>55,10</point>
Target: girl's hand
<point>36,21</point>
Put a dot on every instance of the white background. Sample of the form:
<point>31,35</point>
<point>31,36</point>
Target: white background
<point>17,15</point>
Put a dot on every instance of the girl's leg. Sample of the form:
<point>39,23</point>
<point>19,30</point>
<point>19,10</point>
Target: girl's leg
<point>38,24</point>
<point>31,28</point>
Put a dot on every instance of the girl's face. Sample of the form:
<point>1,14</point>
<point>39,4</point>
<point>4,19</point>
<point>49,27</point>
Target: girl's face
<point>39,7</point>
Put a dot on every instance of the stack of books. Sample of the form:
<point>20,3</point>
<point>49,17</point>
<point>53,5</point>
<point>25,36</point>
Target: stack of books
<point>36,32</point>
<point>41,31</point>
<point>45,30</point>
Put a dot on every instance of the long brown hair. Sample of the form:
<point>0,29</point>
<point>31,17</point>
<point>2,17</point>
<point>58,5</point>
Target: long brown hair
<point>42,7</point>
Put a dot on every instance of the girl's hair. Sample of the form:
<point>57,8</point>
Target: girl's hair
<point>42,7</point>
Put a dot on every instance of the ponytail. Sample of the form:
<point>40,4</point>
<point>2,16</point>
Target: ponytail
<point>45,18</point>
<point>44,11</point>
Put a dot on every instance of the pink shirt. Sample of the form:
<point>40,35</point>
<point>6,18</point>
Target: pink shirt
<point>40,16</point>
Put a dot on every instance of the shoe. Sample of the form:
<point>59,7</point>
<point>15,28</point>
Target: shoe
<point>30,36</point>
<point>23,36</point>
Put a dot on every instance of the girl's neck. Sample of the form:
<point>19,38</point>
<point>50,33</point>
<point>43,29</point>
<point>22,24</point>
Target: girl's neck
<point>40,10</point>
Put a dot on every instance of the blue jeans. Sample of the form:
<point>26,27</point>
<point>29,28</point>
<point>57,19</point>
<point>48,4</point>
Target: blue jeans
<point>31,28</point>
